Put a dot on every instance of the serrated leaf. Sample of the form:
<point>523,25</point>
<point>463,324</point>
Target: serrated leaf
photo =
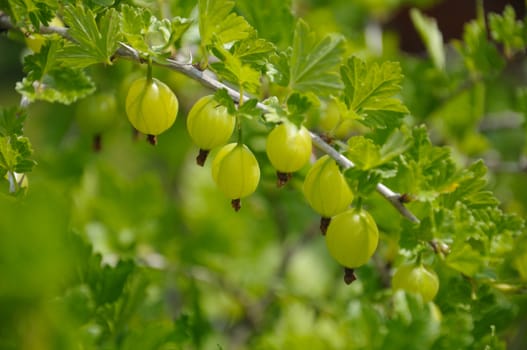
<point>313,64</point>
<point>217,21</point>
<point>232,69</point>
<point>464,259</point>
<point>366,154</point>
<point>413,234</point>
<point>223,98</point>
<point>110,281</point>
<point>431,36</point>
<point>14,154</point>
<point>147,34</point>
<point>369,90</point>
<point>363,152</point>
<point>411,315</point>
<point>278,70</point>
<point>249,109</point>
<point>275,112</point>
<point>93,43</point>
<point>480,55</point>
<point>297,107</point>
<point>471,188</point>
<point>47,80</point>
<point>253,52</point>
<point>426,171</point>
<point>397,143</point>
<point>30,13</point>
<point>8,155</point>
<point>11,121</point>
<point>507,30</point>
<point>364,182</point>
<point>260,13</point>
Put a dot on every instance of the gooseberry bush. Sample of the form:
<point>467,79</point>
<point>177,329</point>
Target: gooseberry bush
<point>378,195</point>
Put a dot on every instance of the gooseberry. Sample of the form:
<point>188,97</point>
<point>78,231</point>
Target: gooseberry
<point>326,189</point>
<point>352,237</point>
<point>151,107</point>
<point>209,125</point>
<point>95,114</point>
<point>417,279</point>
<point>236,172</point>
<point>288,149</point>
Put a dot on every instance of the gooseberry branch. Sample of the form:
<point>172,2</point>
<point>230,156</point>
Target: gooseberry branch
<point>207,79</point>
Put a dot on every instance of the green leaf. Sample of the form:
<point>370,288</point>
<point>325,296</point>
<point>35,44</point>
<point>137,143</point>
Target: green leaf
<point>363,152</point>
<point>14,154</point>
<point>426,171</point>
<point>464,259</point>
<point>249,109</point>
<point>8,154</point>
<point>297,107</point>
<point>294,110</point>
<point>11,121</point>
<point>31,14</point>
<point>223,98</point>
<point>413,234</point>
<point>275,112</point>
<point>218,22</point>
<point>49,81</point>
<point>108,283</point>
<point>431,36</point>
<point>411,316</point>
<point>144,32</point>
<point>369,90</point>
<point>253,52</point>
<point>366,154</point>
<point>396,144</point>
<point>313,65</point>
<point>232,69</point>
<point>470,189</point>
<point>480,55</point>
<point>364,182</point>
<point>508,31</point>
<point>93,43</point>
<point>261,13</point>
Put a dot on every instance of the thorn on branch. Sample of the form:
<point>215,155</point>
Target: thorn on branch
<point>406,198</point>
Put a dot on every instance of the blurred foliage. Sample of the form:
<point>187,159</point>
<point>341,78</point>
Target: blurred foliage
<point>134,247</point>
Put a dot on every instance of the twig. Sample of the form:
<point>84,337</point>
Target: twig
<point>207,79</point>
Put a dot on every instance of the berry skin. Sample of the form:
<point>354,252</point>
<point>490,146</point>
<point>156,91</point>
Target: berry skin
<point>236,172</point>
<point>288,147</point>
<point>326,189</point>
<point>416,279</point>
<point>352,237</point>
<point>151,106</point>
<point>209,125</point>
<point>96,113</point>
